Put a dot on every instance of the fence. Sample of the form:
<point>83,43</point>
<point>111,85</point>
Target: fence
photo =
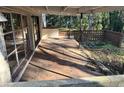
<point>116,38</point>
<point>90,35</point>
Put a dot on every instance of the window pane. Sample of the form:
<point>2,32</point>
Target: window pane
<point>16,21</point>
<point>20,45</point>
<point>24,19</point>
<point>21,55</point>
<point>12,62</point>
<point>25,32</point>
<point>21,52</point>
<point>9,43</point>
<point>19,37</point>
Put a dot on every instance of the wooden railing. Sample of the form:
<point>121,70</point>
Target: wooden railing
<point>96,81</point>
<point>92,35</point>
<point>116,38</point>
<point>89,35</point>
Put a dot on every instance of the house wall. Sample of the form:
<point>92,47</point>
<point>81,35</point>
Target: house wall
<point>31,41</point>
<point>5,75</point>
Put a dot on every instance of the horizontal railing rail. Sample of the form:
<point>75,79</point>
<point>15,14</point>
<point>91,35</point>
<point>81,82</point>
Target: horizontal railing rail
<point>97,81</point>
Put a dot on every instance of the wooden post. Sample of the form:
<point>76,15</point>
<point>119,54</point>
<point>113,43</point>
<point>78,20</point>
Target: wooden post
<point>90,19</point>
<point>81,29</point>
<point>24,39</point>
<point>31,32</point>
<point>60,21</point>
<point>70,27</point>
<point>41,25</point>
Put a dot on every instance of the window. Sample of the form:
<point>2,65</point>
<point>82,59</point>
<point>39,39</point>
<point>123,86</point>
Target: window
<point>14,39</point>
<point>9,42</point>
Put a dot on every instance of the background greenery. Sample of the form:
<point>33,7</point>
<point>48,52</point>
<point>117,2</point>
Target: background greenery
<point>105,20</point>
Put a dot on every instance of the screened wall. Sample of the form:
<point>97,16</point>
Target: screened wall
<point>17,38</point>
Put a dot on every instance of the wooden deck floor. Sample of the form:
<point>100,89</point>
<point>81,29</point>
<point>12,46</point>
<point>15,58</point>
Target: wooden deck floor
<point>54,60</point>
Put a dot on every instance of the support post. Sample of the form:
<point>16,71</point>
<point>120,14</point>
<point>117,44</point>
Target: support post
<point>31,32</point>
<point>81,29</point>
<point>24,40</point>
<point>41,25</point>
<point>90,19</point>
<point>70,23</point>
<point>44,20</point>
<point>60,21</point>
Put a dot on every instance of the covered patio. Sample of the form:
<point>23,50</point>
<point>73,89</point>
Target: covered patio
<point>53,58</point>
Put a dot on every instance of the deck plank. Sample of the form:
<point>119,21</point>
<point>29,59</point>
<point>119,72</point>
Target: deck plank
<point>53,60</point>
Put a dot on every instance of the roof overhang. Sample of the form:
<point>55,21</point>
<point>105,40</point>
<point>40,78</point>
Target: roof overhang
<point>64,10</point>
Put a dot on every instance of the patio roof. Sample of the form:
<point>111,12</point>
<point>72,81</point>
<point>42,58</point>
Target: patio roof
<point>64,10</point>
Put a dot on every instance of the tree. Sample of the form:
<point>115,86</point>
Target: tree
<point>105,20</point>
<point>85,22</point>
<point>116,23</point>
<point>101,21</point>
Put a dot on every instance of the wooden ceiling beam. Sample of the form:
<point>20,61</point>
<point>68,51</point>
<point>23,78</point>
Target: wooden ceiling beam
<point>14,10</point>
<point>65,8</point>
<point>87,9</point>
<point>37,10</point>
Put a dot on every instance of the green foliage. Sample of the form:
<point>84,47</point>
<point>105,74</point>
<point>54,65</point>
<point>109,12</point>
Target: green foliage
<point>97,21</point>
<point>113,49</point>
<point>53,20</point>
<point>116,23</point>
<point>85,22</point>
<point>105,47</point>
<point>101,21</point>
<point>16,21</point>
<point>105,20</point>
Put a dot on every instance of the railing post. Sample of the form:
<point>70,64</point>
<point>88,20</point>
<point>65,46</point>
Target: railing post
<point>122,40</point>
<point>70,23</point>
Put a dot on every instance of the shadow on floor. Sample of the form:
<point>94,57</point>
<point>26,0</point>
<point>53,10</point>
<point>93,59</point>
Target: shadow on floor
<point>51,71</point>
<point>52,58</point>
<point>42,47</point>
